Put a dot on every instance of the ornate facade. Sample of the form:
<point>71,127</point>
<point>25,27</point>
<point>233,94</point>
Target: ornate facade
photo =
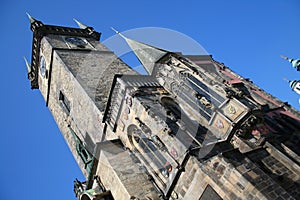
<point>190,129</point>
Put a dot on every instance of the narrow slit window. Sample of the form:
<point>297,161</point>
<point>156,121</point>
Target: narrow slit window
<point>64,102</point>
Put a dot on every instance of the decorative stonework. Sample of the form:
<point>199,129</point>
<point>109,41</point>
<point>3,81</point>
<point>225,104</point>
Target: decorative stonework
<point>191,129</point>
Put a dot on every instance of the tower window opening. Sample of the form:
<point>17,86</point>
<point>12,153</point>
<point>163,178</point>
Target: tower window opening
<point>83,154</point>
<point>64,102</point>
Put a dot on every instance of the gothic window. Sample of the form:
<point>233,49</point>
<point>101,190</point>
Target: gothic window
<point>65,103</point>
<point>149,151</point>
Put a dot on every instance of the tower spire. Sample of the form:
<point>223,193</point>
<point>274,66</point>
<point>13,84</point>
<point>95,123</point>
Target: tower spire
<point>81,25</point>
<point>29,69</point>
<point>148,55</point>
<point>31,19</point>
<point>118,32</point>
<point>34,23</point>
<point>27,65</point>
<point>295,62</point>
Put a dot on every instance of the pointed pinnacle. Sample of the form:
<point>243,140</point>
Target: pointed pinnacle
<point>112,28</point>
<point>118,32</point>
<point>81,25</point>
<point>147,55</point>
<point>285,58</point>
<point>285,79</point>
<point>27,65</point>
<point>31,19</point>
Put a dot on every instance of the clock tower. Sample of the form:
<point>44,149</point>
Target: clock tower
<point>190,129</point>
<point>74,72</point>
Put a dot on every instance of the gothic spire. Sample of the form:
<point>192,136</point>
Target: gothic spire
<point>81,25</point>
<point>34,23</point>
<point>148,55</point>
<point>31,19</point>
<point>27,65</point>
<point>29,70</point>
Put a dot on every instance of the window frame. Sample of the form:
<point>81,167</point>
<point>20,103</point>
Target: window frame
<point>64,102</point>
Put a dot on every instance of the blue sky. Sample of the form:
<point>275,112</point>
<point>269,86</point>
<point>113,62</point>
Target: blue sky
<point>248,36</point>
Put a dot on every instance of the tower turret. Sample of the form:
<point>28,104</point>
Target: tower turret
<point>34,23</point>
<point>83,26</point>
<point>295,62</point>
<point>80,25</point>
<point>74,73</point>
<point>295,85</point>
<point>29,69</point>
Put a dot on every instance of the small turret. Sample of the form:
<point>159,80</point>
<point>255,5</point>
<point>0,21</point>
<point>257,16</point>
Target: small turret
<point>29,70</point>
<point>295,85</point>
<point>34,23</point>
<point>295,62</point>
<point>80,25</point>
<point>31,19</point>
<point>83,26</point>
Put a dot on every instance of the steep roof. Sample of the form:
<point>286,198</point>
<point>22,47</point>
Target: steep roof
<point>148,55</point>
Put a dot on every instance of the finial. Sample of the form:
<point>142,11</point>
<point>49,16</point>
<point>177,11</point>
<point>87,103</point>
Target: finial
<point>118,32</point>
<point>27,65</point>
<point>31,19</point>
<point>285,79</point>
<point>29,70</point>
<point>112,28</point>
<point>295,62</point>
<point>284,57</point>
<point>81,25</point>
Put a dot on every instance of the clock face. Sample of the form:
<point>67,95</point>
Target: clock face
<point>76,41</point>
<point>42,66</point>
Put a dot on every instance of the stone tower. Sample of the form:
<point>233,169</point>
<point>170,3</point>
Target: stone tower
<point>190,129</point>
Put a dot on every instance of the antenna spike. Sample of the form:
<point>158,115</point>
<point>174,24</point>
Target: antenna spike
<point>81,25</point>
